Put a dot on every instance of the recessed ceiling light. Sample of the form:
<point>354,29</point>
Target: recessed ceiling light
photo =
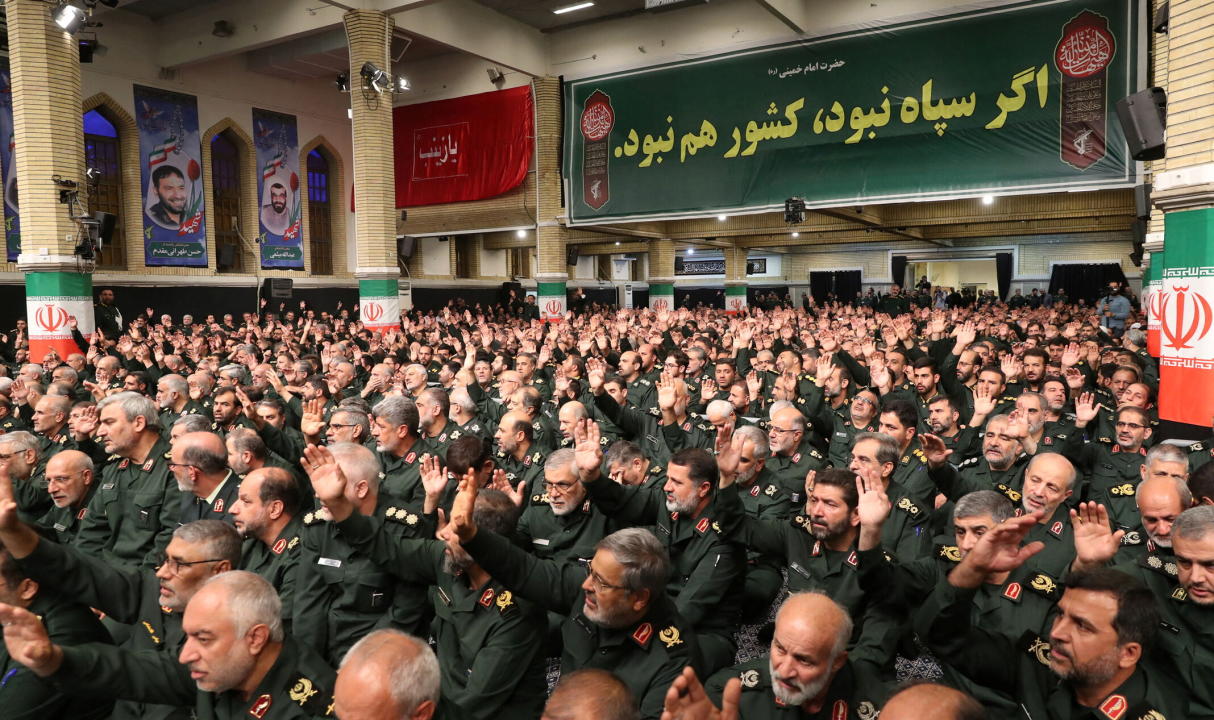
<point>572,8</point>
<point>722,218</point>
<point>988,199</point>
<point>520,233</point>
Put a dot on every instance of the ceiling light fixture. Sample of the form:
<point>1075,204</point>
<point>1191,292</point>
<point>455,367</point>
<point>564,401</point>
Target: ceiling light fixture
<point>722,218</point>
<point>69,17</point>
<point>374,78</point>
<point>988,199</point>
<point>572,8</point>
<point>520,233</point>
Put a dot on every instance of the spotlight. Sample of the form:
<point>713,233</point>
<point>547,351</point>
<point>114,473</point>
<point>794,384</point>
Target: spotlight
<point>374,78</point>
<point>520,233</point>
<point>691,251</point>
<point>988,199</point>
<point>69,17</point>
<point>796,234</point>
<point>722,218</point>
<point>495,75</point>
<point>400,84</point>
<point>343,82</point>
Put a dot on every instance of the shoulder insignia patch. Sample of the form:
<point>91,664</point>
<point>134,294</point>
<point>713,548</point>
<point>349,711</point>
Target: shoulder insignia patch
<point>907,505</point>
<point>749,678</point>
<point>642,635</point>
<point>952,553</point>
<point>1197,447</point>
<point>505,600</point>
<point>1114,707</point>
<point>1039,649</point>
<point>770,491</point>
<point>1180,594</point>
<point>670,637</point>
<point>294,543</point>
<point>1012,591</point>
<point>1123,490</point>
<point>1011,494</point>
<point>1056,529</point>
<point>1132,537</point>
<point>1044,585</point>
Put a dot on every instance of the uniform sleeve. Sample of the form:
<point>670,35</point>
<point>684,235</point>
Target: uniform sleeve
<point>498,666</point>
<point>310,621</point>
<point>762,536</point>
<point>95,536</point>
<point>146,676</point>
<point>87,579</point>
<point>943,623</point>
<point>630,506</point>
<point>408,559</point>
<point>555,586</point>
<point>950,482</point>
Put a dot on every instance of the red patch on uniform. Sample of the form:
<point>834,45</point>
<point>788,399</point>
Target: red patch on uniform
<point>411,457</point>
<point>674,515</point>
<point>1012,591</point>
<point>83,511</point>
<point>817,548</point>
<point>442,438</point>
<point>839,712</point>
<point>487,597</point>
<point>1056,528</point>
<point>642,634</point>
<point>702,525</point>
<point>796,458</point>
<point>851,559</point>
<point>262,704</point>
<point>754,491</point>
<point>147,466</point>
<point>686,427</point>
<point>1048,440</point>
<point>279,546</point>
<point>124,464</point>
<point>218,506</point>
<point>1114,707</point>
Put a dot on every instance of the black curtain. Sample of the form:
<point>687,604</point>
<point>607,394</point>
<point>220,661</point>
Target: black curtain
<point>1003,272</point>
<point>708,297</point>
<point>1085,282</point>
<point>843,283</point>
<point>897,268</point>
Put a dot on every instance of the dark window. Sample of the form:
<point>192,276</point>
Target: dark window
<point>320,219</point>
<point>225,180</point>
<point>102,153</point>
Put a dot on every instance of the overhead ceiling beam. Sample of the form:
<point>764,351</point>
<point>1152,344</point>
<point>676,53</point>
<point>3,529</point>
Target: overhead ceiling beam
<point>476,30</point>
<point>872,219</point>
<point>793,13</point>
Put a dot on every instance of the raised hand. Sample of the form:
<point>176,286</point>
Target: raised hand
<point>433,475</point>
<point>312,424</point>
<point>708,391</point>
<point>873,508</point>
<point>998,550</point>
<point>754,383</point>
<point>1086,409</point>
<point>1074,378</point>
<point>588,450</point>
<point>729,454</point>
<point>1070,356</point>
<point>686,700</point>
<point>28,642</point>
<point>87,421</point>
<point>463,524</point>
<point>1095,541</point>
<point>984,402</point>
<point>934,449</point>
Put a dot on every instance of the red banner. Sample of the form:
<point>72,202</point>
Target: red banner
<point>467,148</point>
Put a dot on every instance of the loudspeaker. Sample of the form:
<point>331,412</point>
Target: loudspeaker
<point>1139,229</point>
<point>227,257</point>
<point>105,228</point>
<point>571,254</point>
<point>405,246</point>
<point>279,288</point>
<point>1159,21</point>
<point>1143,117</point>
<point>1142,201</point>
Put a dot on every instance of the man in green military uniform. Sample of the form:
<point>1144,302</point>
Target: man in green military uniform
<point>340,594</point>
<point>618,615</point>
<point>173,399</point>
<point>1116,468</point>
<point>236,660</point>
<point>627,465</point>
<point>518,458</point>
<point>107,316</point>
<point>70,484</point>
<point>490,641</point>
<point>1091,662</point>
<point>808,672</point>
<point>395,428</point>
<point>227,411</point>
<point>19,458</point>
<point>264,514</point>
<point>24,695</point>
<point>132,515</point>
<point>567,526</point>
<point>792,455</point>
<point>1000,467</point>
<point>679,430</point>
<point>894,303</point>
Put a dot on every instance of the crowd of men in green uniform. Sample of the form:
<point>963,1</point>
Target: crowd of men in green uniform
<point>291,516</point>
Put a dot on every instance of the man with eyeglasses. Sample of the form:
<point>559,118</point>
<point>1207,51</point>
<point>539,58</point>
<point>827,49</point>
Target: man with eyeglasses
<point>792,455</point>
<point>1111,465</point>
<point>70,484</point>
<point>618,614</point>
<point>19,458</point>
<point>861,417</point>
<point>151,601</point>
<point>565,526</point>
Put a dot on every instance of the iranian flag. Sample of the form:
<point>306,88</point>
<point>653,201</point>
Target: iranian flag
<point>1186,317</point>
<point>272,167</point>
<point>1152,295</point>
<point>160,153</point>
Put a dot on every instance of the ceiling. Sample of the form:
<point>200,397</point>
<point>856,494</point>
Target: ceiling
<point>159,9</point>
<point>325,54</point>
<point>538,13</point>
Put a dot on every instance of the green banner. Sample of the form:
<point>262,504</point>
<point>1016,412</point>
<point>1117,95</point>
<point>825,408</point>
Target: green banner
<point>1019,98</point>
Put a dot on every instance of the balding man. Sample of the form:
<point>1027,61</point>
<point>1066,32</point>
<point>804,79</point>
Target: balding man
<point>264,513</point>
<point>340,593</point>
<point>792,455</point>
<point>590,694</point>
<point>1161,496</point>
<point>236,661</point>
<point>1164,462</point>
<point>518,457</point>
<point>807,667</point>
<point>200,465</point>
<point>926,699</point>
<point>70,484</point>
<point>388,675</point>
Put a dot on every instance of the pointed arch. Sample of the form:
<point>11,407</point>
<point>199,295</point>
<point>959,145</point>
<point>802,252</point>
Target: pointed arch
<point>337,203</point>
<point>248,191</point>
<point>131,214</point>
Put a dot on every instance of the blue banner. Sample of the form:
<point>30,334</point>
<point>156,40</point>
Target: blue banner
<point>174,218</point>
<point>280,231</point>
<point>8,165</point>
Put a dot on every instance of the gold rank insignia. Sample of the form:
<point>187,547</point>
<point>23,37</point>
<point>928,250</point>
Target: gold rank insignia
<point>670,636</point>
<point>1152,715</point>
<point>1180,594</point>
<point>867,711</point>
<point>951,553</point>
<point>716,527</point>
<point>750,678</point>
<point>1044,583</point>
<point>301,691</point>
<point>770,491</point>
<point>294,541</point>
<point>390,512</point>
<point>1154,562</point>
<point>1125,489</point>
<point>906,504</point>
<point>151,631</point>
<point>1041,649</point>
<point>504,600</point>
<point>1170,568</point>
<point>309,518</point>
<point>411,519</point>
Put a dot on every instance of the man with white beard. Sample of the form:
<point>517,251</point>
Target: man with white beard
<point>564,525</point>
<point>808,667</point>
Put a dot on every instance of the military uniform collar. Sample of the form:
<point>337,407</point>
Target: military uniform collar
<point>210,499</point>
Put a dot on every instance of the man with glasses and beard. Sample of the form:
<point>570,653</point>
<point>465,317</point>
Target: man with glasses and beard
<point>567,526</point>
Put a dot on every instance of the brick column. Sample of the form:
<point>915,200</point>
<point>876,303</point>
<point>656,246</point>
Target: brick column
<point>368,34</point>
<point>1185,192</point>
<point>553,273</point>
<point>661,274</point>
<point>735,280</point>
<point>49,138</point>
